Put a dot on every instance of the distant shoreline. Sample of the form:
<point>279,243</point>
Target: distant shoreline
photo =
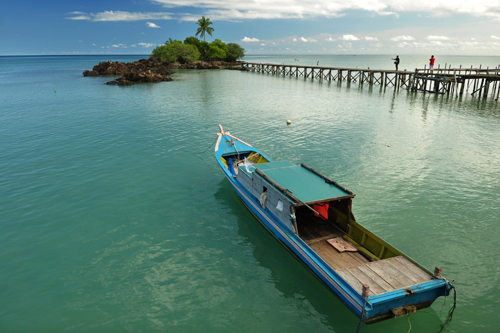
<point>254,55</point>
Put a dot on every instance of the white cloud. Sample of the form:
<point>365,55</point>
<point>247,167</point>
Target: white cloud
<point>79,16</point>
<point>273,9</point>
<point>146,44</point>
<point>494,37</point>
<point>246,39</point>
<point>371,39</point>
<point>349,37</point>
<point>110,15</point>
<point>437,38</point>
<point>296,9</point>
<point>303,39</point>
<point>388,13</point>
<point>330,39</point>
<point>402,38</point>
<point>152,25</point>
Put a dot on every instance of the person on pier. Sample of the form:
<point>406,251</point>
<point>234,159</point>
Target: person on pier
<point>396,61</point>
<point>431,64</point>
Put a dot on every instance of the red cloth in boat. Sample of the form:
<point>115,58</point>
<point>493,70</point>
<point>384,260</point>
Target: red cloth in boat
<point>322,209</point>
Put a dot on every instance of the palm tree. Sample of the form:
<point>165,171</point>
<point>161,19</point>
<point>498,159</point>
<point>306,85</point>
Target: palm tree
<point>204,27</point>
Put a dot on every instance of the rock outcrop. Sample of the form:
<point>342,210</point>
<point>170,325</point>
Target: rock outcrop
<point>149,70</point>
<point>129,79</point>
<point>144,70</point>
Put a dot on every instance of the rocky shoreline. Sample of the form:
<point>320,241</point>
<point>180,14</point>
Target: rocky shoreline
<point>149,70</point>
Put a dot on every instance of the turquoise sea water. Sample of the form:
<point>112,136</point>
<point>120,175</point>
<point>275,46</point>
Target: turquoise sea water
<point>110,221</point>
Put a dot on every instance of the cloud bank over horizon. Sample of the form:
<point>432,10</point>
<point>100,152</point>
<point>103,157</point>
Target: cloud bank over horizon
<point>296,9</point>
<point>261,26</point>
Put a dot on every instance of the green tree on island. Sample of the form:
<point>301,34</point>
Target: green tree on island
<point>234,52</point>
<point>204,24</point>
<point>193,49</point>
<point>176,51</point>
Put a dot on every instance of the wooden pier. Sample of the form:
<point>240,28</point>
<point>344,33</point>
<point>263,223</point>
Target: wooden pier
<point>454,81</point>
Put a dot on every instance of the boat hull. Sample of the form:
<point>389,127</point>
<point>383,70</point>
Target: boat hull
<point>371,309</point>
<point>301,251</point>
<point>377,308</point>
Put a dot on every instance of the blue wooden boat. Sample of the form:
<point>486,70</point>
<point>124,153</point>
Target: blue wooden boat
<point>312,216</point>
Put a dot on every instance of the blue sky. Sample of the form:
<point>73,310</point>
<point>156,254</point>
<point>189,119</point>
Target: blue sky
<point>29,27</point>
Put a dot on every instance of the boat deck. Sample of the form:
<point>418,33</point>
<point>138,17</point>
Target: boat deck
<point>381,275</point>
<point>385,275</point>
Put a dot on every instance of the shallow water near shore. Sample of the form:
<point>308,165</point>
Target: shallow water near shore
<point>113,218</point>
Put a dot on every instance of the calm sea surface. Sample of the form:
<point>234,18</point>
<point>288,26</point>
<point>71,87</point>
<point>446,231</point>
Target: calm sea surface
<point>113,219</point>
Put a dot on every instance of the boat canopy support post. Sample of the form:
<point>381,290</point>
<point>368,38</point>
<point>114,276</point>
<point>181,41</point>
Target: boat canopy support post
<point>294,220</point>
<point>349,212</point>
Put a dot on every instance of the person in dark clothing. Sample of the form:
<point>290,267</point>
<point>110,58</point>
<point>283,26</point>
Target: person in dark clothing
<point>396,61</point>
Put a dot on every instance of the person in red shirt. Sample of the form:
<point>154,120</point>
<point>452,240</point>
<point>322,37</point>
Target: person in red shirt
<point>431,64</point>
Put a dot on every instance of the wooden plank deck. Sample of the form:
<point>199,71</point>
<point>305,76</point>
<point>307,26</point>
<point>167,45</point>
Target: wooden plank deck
<point>337,260</point>
<point>313,232</point>
<point>384,275</point>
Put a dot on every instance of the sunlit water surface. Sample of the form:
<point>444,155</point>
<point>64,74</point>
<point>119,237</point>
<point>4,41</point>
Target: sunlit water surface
<point>113,218</point>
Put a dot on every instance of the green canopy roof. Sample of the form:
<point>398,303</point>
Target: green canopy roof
<point>304,184</point>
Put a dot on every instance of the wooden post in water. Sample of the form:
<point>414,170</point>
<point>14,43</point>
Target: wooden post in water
<point>485,82</point>
<point>486,88</point>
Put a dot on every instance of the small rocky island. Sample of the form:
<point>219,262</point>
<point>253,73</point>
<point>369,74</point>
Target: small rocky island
<point>150,70</point>
<point>144,70</point>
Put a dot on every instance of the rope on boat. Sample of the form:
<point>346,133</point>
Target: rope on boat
<point>207,148</point>
<point>409,322</point>
<point>449,317</point>
<point>361,316</point>
<point>182,139</point>
<point>366,291</point>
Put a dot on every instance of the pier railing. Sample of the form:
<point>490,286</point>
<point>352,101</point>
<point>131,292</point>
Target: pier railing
<point>481,82</point>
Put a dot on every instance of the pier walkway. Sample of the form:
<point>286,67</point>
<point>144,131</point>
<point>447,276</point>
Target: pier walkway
<point>454,81</point>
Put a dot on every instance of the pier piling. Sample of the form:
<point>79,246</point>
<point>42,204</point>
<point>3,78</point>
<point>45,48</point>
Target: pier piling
<point>445,80</point>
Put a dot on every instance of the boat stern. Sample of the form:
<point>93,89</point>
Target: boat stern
<point>405,301</point>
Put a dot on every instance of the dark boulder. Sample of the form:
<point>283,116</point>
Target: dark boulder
<point>90,73</point>
<point>144,70</point>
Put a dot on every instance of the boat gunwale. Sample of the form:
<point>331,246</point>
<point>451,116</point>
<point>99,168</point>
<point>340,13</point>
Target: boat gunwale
<point>313,262</point>
<point>307,252</point>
